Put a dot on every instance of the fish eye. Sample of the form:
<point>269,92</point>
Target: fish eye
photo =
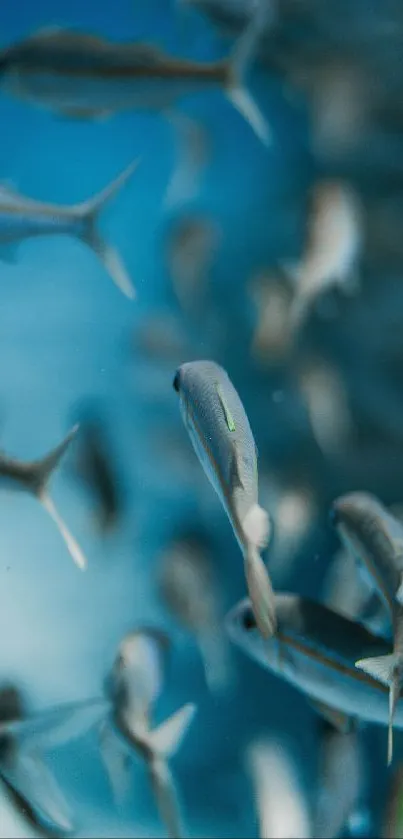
<point>248,619</point>
<point>175,383</point>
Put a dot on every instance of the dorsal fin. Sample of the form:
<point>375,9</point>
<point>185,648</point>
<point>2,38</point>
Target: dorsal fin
<point>227,413</point>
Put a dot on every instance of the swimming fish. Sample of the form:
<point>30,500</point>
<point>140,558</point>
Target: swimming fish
<point>333,248</point>
<point>34,477</point>
<point>23,770</point>
<point>349,591</point>
<point>315,650</point>
<point>281,806</point>
<point>221,436</point>
<point>341,781</point>
<point>86,76</point>
<point>96,467</point>
<point>22,217</point>
<point>324,393</point>
<point>375,537</point>
<point>191,248</point>
<point>271,339</point>
<point>188,587</point>
<point>135,683</point>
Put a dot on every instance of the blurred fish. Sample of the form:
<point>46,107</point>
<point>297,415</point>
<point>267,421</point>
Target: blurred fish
<point>376,537</point>
<point>87,76</point>
<point>326,399</point>
<point>193,156</point>
<point>136,681</point>
<point>22,217</point>
<point>96,467</point>
<point>189,589</point>
<point>273,299</point>
<point>31,786</point>
<point>332,250</point>
<point>191,248</point>
<point>282,809</point>
<point>392,827</point>
<point>349,591</point>
<point>315,650</point>
<point>341,780</point>
<point>161,337</point>
<point>34,477</point>
<point>220,433</point>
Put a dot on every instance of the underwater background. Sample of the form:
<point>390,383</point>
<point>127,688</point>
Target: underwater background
<point>68,339</point>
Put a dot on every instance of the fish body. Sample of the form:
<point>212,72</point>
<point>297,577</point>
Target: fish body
<point>222,438</point>
<point>375,537</point>
<point>85,76</point>
<point>22,217</point>
<point>315,650</point>
<point>189,589</point>
<point>341,780</point>
<point>136,681</point>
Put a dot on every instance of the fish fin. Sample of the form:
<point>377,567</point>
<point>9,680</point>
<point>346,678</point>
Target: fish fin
<point>71,543</point>
<point>30,777</point>
<point>386,670</point>
<point>167,737</point>
<point>257,526</point>
<point>54,727</point>
<point>43,469</point>
<point>341,722</point>
<point>116,762</point>
<point>90,211</point>
<point>237,93</point>
<point>166,797</point>
<point>261,592</point>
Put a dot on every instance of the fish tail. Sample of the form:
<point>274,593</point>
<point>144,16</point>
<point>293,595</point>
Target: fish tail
<point>89,212</point>
<point>165,740</point>
<point>166,796</point>
<point>386,669</point>
<point>43,469</point>
<point>72,545</point>
<point>261,592</point>
<point>236,68</point>
<point>115,761</point>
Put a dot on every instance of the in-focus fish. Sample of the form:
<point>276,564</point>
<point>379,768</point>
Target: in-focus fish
<point>315,650</point>
<point>23,740</point>
<point>333,247</point>
<point>96,467</point>
<point>375,537</point>
<point>34,477</point>
<point>341,780</point>
<point>22,217</point>
<point>87,76</point>
<point>223,441</point>
<point>189,589</point>
<point>136,681</point>
<point>281,806</point>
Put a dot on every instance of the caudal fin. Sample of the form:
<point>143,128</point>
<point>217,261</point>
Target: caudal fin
<point>261,592</point>
<point>72,545</point>
<point>166,797</point>
<point>242,56</point>
<point>89,212</point>
<point>43,469</point>
<point>167,737</point>
<point>385,669</point>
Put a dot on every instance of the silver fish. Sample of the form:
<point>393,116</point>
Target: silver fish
<point>375,537</point>
<point>315,650</point>
<point>23,770</point>
<point>188,587</point>
<point>341,780</point>
<point>87,76</point>
<point>34,477</point>
<point>223,441</point>
<point>22,218</point>
<point>281,806</point>
<point>136,680</point>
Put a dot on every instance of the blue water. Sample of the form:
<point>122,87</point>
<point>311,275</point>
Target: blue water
<point>65,334</point>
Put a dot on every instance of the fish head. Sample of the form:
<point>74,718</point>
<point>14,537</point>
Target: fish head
<point>138,672</point>
<point>241,627</point>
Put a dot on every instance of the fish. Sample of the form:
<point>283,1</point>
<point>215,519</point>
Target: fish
<point>375,537</point>
<point>22,217</point>
<point>333,248</point>
<point>222,438</point>
<point>134,684</point>
<point>85,76</point>
<point>341,780</point>
<point>95,466</point>
<point>23,739</point>
<point>347,589</point>
<point>281,806</point>
<point>33,476</point>
<point>324,393</point>
<point>191,246</point>
<point>271,338</point>
<point>188,587</point>
<point>315,650</point>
